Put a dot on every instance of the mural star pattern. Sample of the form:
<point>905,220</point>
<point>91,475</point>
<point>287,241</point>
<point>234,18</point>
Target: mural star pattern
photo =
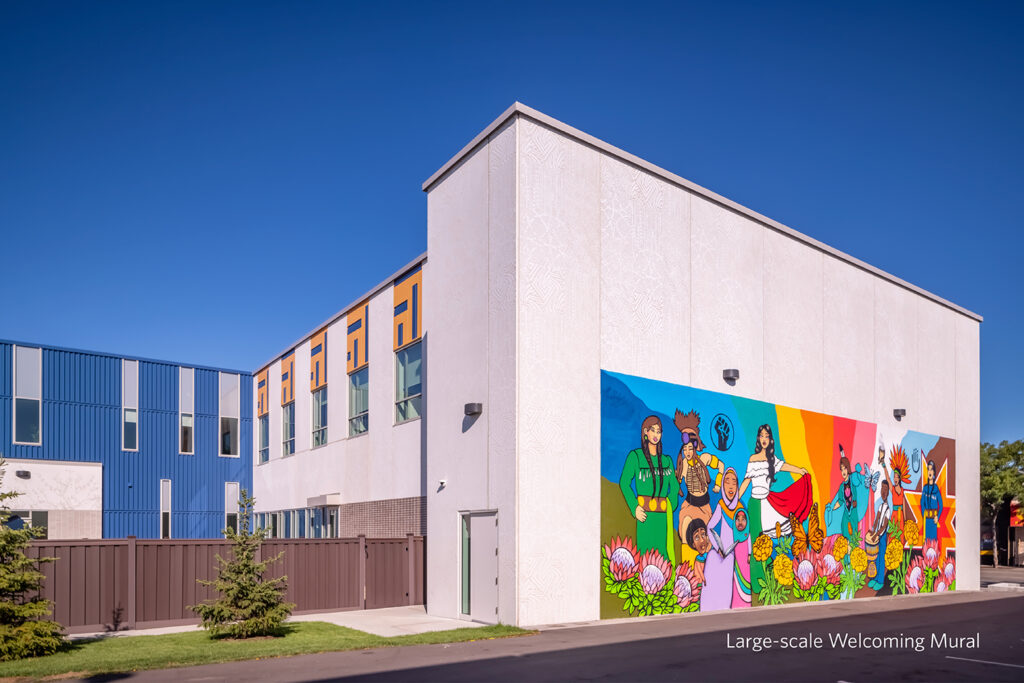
<point>947,537</point>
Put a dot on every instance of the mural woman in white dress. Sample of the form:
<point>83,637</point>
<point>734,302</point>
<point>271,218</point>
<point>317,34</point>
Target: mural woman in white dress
<point>770,507</point>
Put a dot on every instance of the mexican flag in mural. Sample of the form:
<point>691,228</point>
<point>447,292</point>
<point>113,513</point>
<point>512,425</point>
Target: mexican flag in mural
<point>711,501</point>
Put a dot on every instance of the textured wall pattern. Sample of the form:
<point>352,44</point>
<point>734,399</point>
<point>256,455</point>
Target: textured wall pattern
<point>389,518</point>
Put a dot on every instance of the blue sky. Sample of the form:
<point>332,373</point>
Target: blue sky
<point>157,160</point>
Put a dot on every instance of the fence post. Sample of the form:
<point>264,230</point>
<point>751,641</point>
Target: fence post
<point>362,571</point>
<point>131,581</point>
<point>410,548</point>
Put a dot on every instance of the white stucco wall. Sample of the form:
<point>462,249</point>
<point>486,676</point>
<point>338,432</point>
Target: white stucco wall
<point>622,270</point>
<point>469,316</point>
<point>72,492</point>
<point>385,462</point>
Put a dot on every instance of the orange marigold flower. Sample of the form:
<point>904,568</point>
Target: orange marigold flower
<point>893,555</point>
<point>911,534</point>
<point>762,548</point>
<point>841,547</point>
<point>858,559</point>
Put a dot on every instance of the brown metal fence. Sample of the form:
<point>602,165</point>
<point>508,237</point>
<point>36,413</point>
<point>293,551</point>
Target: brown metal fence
<point>109,584</point>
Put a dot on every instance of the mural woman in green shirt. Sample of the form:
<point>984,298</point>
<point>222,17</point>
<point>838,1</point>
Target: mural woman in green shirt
<point>657,491</point>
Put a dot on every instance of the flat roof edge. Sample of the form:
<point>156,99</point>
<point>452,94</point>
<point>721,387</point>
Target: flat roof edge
<point>519,108</point>
<point>122,356</point>
<point>419,260</point>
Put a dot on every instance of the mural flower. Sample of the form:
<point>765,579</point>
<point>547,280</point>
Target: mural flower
<point>783,570</point>
<point>858,559</point>
<point>893,555</point>
<point>911,534</point>
<point>915,576</point>
<point>828,568</point>
<point>840,547</point>
<point>654,572</point>
<point>930,554</point>
<point>686,588</point>
<point>803,571</point>
<point>762,548</point>
<point>624,560</point>
<point>949,570</point>
<point>940,585</point>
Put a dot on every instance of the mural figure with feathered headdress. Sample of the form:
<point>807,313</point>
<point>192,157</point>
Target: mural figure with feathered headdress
<point>900,476</point>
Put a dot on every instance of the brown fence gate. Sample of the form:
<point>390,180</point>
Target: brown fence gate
<point>114,584</point>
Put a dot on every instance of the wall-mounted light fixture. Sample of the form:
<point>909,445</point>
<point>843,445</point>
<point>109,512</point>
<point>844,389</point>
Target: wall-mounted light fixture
<point>23,474</point>
<point>899,413</point>
<point>730,375</point>
<point>474,408</point>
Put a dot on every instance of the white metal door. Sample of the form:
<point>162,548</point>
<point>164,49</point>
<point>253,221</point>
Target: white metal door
<point>483,567</point>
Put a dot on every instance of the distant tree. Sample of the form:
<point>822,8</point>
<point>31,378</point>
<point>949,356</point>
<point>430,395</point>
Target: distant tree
<point>249,605</point>
<point>1002,478</point>
<point>24,629</point>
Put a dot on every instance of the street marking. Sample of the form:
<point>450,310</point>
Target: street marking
<point>984,661</point>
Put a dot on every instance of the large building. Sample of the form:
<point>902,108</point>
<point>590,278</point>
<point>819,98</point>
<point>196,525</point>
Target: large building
<point>105,446</point>
<point>603,391</point>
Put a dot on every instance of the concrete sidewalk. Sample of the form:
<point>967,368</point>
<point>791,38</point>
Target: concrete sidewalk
<point>1002,577</point>
<point>387,622</point>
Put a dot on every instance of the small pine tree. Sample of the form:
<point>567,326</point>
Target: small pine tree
<point>24,630</point>
<point>249,605</point>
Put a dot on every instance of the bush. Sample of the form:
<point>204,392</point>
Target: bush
<point>249,605</point>
<point>24,629</point>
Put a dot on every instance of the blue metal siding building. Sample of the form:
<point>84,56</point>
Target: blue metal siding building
<point>81,401</point>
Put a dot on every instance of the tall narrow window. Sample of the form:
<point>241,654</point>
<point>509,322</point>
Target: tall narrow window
<point>288,429</point>
<point>465,564</point>
<point>28,395</point>
<point>408,382</point>
<point>231,505</point>
<point>320,417</point>
<point>358,402</point>
<point>229,410</point>
<point>130,405</point>
<point>165,508</point>
<point>264,438</point>
<point>186,409</point>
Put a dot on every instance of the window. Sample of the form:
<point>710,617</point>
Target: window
<point>264,438</point>
<point>229,409</point>
<point>358,402</point>
<point>465,564</point>
<point>130,405</point>
<point>408,382</point>
<point>320,417</point>
<point>21,519</point>
<point>288,429</point>
<point>165,508</point>
<point>231,505</point>
<point>186,410</point>
<point>28,395</point>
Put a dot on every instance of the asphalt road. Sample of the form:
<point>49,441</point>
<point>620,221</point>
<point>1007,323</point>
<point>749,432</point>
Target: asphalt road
<point>695,649</point>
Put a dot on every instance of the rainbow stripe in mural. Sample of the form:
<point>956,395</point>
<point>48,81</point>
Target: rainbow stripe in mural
<point>711,501</point>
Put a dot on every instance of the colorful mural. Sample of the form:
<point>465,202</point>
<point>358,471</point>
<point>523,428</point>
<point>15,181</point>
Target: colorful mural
<point>711,501</point>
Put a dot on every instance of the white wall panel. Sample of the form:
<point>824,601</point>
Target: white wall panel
<point>793,323</point>
<point>848,379</point>
<point>645,274</point>
<point>896,354</point>
<point>968,438</point>
<point>727,303</point>
<point>936,368</point>
<point>559,379</point>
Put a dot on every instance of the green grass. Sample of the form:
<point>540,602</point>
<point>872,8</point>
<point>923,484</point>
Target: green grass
<point>114,655</point>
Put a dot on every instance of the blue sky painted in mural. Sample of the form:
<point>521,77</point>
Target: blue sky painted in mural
<point>206,181</point>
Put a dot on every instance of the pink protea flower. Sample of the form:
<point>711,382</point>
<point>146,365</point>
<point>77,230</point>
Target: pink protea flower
<point>930,554</point>
<point>827,567</point>
<point>949,570</point>
<point>915,576</point>
<point>623,558</point>
<point>654,572</point>
<point>686,588</point>
<point>803,570</point>
<point>940,585</point>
